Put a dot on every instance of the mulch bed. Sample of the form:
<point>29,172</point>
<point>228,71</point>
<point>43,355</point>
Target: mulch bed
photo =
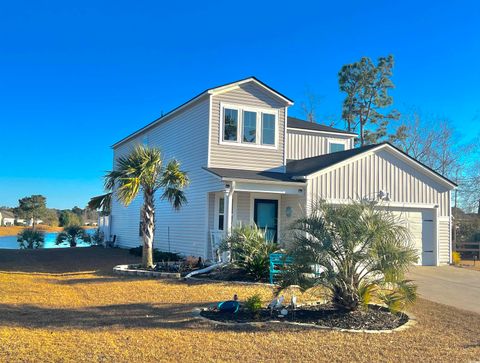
<point>373,318</point>
<point>229,273</point>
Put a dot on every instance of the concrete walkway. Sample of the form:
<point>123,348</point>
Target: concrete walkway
<point>448,285</point>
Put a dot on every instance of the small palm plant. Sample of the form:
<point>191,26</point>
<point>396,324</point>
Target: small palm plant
<point>31,238</point>
<point>72,234</point>
<point>358,252</point>
<point>144,169</point>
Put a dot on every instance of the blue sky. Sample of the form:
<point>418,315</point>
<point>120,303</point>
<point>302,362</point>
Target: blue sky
<point>77,76</point>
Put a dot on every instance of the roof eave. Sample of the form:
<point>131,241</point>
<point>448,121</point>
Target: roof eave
<point>322,131</point>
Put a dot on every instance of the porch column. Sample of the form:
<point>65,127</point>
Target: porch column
<point>228,206</point>
<point>228,214</point>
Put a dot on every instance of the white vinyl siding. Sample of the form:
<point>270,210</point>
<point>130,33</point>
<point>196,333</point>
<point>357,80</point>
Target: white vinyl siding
<point>245,155</point>
<point>405,185</point>
<point>305,144</point>
<point>444,239</point>
<point>366,176</point>
<point>184,137</point>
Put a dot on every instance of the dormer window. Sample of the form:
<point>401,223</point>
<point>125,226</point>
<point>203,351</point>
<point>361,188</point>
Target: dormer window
<point>248,126</point>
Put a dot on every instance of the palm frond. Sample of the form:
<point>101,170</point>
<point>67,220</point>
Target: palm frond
<point>102,202</point>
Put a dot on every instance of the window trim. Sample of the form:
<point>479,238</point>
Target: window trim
<point>343,142</point>
<point>258,136</point>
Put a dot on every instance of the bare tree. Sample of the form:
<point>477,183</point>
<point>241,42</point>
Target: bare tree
<point>309,107</point>
<point>414,138</point>
<point>434,142</point>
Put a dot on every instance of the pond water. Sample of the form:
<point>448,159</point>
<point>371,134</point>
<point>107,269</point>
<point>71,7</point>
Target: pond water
<point>10,242</point>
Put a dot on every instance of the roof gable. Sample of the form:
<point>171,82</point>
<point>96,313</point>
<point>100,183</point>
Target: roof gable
<point>321,164</point>
<point>234,85</point>
<point>211,91</point>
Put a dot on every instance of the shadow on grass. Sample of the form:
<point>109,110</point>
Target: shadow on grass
<point>64,260</point>
<point>127,316</point>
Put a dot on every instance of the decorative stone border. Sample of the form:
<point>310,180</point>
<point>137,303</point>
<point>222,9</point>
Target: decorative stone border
<point>266,284</point>
<point>411,322</point>
<point>125,270</point>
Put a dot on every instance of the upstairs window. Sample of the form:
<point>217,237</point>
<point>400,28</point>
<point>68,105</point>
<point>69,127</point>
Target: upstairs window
<point>334,147</point>
<point>230,128</point>
<point>268,129</point>
<point>249,126</point>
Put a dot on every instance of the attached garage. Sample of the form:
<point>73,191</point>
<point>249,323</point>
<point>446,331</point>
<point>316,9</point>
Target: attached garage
<point>415,193</point>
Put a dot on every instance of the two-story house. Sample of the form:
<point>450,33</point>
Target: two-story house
<point>249,162</point>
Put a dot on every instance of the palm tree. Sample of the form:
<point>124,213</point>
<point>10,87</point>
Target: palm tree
<point>72,234</point>
<point>356,252</point>
<point>31,238</point>
<point>144,169</point>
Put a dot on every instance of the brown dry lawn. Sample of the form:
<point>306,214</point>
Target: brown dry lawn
<point>470,264</point>
<point>14,230</point>
<point>65,306</point>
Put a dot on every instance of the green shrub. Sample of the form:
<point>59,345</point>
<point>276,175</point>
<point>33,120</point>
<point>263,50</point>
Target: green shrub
<point>71,235</point>
<point>157,255</point>
<point>253,304</point>
<point>250,250</point>
<point>31,238</point>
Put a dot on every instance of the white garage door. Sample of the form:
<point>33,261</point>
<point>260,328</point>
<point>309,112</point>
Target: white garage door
<point>421,225</point>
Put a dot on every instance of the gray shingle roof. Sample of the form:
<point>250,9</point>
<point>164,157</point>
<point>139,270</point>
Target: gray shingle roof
<point>7,214</point>
<point>308,166</point>
<point>250,174</point>
<point>297,123</point>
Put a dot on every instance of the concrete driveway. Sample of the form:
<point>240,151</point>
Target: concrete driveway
<point>448,285</point>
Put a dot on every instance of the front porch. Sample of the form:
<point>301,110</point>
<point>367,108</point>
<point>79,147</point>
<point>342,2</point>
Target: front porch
<point>271,206</point>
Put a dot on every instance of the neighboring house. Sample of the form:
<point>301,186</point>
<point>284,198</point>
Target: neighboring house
<point>21,221</point>
<point>7,218</point>
<point>30,221</point>
<point>249,162</point>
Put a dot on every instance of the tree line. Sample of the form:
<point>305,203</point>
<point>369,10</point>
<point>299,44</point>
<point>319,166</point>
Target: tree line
<point>34,208</point>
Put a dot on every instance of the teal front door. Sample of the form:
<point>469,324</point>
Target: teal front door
<point>265,216</point>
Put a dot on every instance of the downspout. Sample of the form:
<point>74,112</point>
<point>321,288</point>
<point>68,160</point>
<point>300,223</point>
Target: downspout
<point>206,269</point>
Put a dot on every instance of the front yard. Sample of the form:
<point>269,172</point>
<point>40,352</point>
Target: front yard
<point>65,305</point>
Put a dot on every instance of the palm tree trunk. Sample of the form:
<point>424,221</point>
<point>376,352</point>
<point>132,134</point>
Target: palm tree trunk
<point>148,219</point>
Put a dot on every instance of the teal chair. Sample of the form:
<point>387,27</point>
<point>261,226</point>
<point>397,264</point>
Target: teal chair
<point>278,262</point>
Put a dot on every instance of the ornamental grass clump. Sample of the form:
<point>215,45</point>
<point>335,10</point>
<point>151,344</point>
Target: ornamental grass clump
<point>358,252</point>
<point>250,250</point>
